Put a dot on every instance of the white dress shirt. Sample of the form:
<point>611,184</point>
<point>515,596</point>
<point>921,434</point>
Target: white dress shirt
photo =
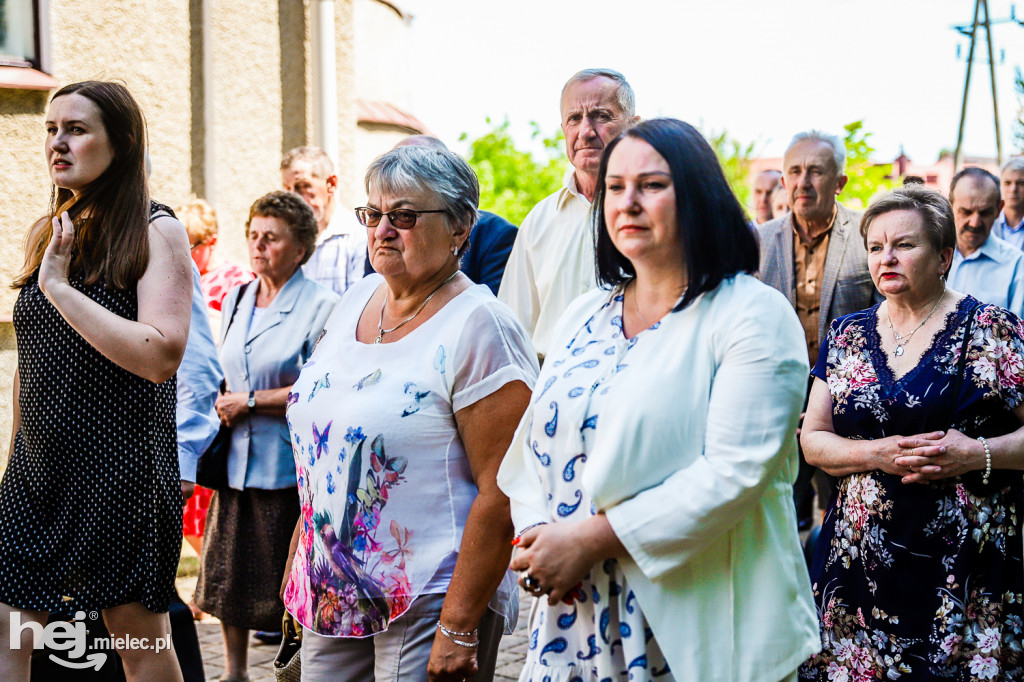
<point>552,262</point>
<point>340,253</point>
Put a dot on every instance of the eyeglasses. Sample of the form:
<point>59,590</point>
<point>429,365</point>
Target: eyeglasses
<point>400,218</point>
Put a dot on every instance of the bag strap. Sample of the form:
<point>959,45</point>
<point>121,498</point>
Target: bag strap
<point>961,364</point>
<point>234,310</point>
<point>238,299</point>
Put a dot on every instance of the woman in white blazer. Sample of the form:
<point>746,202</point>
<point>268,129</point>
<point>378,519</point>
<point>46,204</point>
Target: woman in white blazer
<point>270,327</point>
<point>651,478</point>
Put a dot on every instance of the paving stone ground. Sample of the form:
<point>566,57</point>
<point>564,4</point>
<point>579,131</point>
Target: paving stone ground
<point>511,654</point>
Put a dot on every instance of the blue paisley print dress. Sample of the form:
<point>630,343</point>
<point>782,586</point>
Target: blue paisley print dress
<point>599,633</point>
<point>922,582</point>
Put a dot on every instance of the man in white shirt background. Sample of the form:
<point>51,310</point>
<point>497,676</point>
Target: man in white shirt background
<point>1010,225</point>
<point>341,242</point>
<point>552,261</point>
<point>984,266</point>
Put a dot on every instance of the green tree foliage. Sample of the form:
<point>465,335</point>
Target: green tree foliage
<point>735,159</point>
<point>512,181</point>
<point>866,179</point>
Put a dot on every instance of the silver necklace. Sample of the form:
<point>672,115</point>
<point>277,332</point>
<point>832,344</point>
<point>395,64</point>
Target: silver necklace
<point>380,323</point>
<point>902,340</point>
<point>636,306</point>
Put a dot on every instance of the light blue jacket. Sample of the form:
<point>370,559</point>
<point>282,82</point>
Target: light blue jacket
<point>198,380</point>
<point>269,355</point>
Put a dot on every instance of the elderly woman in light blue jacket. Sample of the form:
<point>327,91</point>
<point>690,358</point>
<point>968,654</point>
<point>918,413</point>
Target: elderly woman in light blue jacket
<point>270,327</point>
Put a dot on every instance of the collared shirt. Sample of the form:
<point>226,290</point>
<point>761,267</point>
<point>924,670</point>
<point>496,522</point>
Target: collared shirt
<point>1011,234</point>
<point>994,274</point>
<point>808,276</point>
<point>340,253</point>
<point>199,378</point>
<point>552,262</point>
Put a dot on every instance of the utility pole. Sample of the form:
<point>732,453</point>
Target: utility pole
<point>972,31</point>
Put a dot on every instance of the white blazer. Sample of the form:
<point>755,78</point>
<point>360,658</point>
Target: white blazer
<point>695,475</point>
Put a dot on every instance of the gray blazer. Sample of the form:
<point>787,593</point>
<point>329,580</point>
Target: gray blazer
<point>846,285</point>
<point>269,354</point>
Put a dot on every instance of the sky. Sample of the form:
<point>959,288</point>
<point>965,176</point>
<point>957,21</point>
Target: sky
<point>760,70</point>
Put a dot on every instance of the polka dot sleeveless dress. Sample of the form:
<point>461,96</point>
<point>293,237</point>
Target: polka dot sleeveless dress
<point>90,503</point>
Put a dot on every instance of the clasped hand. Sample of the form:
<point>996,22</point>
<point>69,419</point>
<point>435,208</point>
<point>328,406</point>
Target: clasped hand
<point>937,455</point>
<point>231,407</point>
<point>556,556</point>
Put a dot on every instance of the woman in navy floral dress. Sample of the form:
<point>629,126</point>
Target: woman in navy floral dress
<point>917,573</point>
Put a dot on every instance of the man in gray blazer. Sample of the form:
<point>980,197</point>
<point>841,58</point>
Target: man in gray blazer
<point>815,255</point>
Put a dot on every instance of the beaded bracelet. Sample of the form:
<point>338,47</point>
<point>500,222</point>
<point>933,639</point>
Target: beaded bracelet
<point>451,634</point>
<point>988,460</point>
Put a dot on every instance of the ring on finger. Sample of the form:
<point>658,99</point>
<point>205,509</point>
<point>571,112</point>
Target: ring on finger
<point>531,584</point>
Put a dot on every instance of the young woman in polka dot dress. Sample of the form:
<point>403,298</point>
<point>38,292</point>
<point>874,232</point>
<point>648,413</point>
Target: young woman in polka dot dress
<point>90,503</point>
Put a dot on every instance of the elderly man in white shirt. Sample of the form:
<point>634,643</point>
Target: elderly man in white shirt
<point>340,252</point>
<point>984,266</point>
<point>552,261</point>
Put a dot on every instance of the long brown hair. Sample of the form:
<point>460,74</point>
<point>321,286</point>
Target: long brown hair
<point>111,214</point>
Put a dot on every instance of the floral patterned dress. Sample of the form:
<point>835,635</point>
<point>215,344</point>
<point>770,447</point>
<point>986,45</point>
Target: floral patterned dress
<point>922,582</point>
<point>600,632</point>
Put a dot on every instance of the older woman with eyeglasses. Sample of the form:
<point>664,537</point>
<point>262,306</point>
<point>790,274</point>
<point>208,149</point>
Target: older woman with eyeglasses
<point>399,422</point>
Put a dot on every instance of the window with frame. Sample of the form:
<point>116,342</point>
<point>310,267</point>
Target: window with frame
<point>19,33</point>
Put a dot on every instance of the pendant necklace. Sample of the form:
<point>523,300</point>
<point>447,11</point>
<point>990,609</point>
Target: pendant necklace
<point>380,323</point>
<point>902,340</point>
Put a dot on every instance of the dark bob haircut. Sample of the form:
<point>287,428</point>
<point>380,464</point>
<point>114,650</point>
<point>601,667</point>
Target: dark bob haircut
<point>717,240</point>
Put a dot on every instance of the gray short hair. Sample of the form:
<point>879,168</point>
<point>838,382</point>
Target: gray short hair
<point>321,165</point>
<point>443,173</point>
<point>833,141</point>
<point>1015,164</point>
<point>624,94</point>
<point>929,204</point>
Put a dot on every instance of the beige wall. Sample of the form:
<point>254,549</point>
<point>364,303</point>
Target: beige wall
<point>245,91</point>
<point>346,29</point>
<point>26,182</point>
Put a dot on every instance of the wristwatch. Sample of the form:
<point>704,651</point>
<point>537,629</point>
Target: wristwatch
<point>251,402</point>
